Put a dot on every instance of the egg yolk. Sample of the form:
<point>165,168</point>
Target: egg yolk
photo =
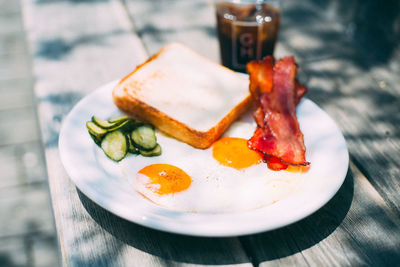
<point>164,179</point>
<point>233,152</point>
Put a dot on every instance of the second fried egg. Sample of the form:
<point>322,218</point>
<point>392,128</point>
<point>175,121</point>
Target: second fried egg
<point>226,177</point>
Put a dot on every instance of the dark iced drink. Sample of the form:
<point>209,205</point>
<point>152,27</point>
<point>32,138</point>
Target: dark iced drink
<point>246,31</point>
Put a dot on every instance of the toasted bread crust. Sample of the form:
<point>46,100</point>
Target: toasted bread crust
<point>138,109</point>
<point>141,111</point>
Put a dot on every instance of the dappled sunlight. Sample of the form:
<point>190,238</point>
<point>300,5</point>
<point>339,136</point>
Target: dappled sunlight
<point>349,58</point>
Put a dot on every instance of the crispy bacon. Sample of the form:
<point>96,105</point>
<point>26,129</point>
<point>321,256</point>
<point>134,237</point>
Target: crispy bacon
<point>278,136</point>
<point>274,163</point>
<point>261,78</point>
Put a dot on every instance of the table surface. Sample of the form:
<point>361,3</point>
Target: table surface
<point>350,65</point>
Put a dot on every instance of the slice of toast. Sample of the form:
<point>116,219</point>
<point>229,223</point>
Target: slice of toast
<point>184,95</point>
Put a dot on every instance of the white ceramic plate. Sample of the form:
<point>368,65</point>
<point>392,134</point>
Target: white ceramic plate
<point>100,179</point>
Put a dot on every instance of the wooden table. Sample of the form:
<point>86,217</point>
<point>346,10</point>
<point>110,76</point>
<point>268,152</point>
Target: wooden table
<point>350,65</point>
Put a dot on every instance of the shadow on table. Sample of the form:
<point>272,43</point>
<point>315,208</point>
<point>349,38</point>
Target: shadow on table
<point>366,31</point>
<point>372,25</point>
<point>261,247</point>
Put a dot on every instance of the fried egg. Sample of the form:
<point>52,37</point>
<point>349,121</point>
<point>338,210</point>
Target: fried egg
<point>227,177</point>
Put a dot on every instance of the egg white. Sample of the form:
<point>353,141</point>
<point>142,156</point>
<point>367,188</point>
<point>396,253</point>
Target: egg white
<point>215,188</point>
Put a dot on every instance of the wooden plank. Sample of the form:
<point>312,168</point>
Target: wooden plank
<point>18,202</point>
<point>14,253</point>
<point>15,94</point>
<point>9,7</point>
<point>88,44</point>
<point>18,126</point>
<point>312,33</point>
<point>21,164</point>
<point>189,22</point>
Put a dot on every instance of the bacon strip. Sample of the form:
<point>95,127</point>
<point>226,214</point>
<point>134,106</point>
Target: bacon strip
<point>261,78</point>
<point>278,136</point>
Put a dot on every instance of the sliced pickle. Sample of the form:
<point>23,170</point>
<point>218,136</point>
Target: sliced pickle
<point>144,137</point>
<point>120,135</point>
<point>115,145</point>
<point>152,153</point>
<point>120,118</point>
<point>104,124</point>
<point>95,130</point>
<point>131,147</point>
